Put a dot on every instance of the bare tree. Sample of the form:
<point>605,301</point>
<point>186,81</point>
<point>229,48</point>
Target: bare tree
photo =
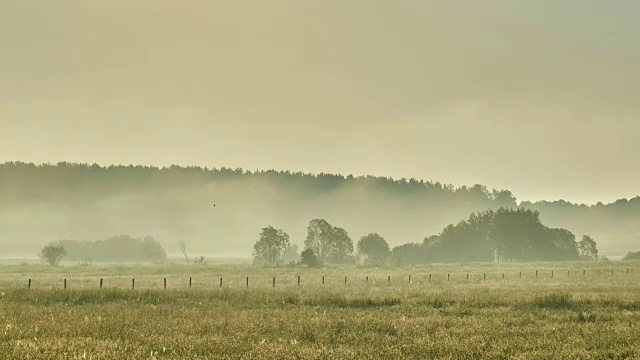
<point>183,248</point>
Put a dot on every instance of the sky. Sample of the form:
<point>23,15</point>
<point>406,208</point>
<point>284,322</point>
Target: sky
<point>538,97</point>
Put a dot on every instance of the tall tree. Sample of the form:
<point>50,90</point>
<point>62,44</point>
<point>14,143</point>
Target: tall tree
<point>374,248</point>
<point>342,246</point>
<point>587,248</point>
<point>319,239</point>
<point>271,245</point>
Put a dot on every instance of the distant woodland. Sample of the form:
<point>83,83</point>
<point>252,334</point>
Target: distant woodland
<point>219,212</point>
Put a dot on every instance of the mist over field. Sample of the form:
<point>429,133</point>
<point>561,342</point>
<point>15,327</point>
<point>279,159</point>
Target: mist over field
<point>220,212</point>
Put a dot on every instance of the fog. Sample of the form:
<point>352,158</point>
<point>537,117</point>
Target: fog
<point>536,97</point>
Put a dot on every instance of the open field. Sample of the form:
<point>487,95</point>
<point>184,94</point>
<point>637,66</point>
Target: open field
<point>583,310</point>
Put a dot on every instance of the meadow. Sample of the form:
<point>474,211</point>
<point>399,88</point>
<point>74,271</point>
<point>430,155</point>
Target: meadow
<point>572,310</point>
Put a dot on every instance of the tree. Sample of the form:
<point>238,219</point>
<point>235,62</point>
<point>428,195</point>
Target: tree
<point>342,248</point>
<point>183,248</point>
<point>632,255</point>
<point>291,254</point>
<point>319,239</point>
<point>52,254</point>
<point>375,249</point>
<point>271,245</point>
<point>587,248</point>
<point>307,257</point>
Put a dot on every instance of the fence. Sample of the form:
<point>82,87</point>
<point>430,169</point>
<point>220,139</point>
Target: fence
<point>323,280</point>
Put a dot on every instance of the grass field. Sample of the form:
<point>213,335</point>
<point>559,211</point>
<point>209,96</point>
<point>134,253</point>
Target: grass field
<point>582,311</point>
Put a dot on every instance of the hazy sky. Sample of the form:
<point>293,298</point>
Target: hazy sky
<point>539,97</point>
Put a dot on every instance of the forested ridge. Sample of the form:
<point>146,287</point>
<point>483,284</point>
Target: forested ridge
<point>47,202</point>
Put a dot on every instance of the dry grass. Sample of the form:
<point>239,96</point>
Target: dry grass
<point>560,317</point>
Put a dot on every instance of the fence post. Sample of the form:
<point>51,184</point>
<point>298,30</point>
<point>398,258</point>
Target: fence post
<point>484,276</point>
<point>389,278</point>
<point>189,283</point>
<point>100,283</point>
<point>429,277</point>
<point>220,283</point>
<point>551,273</point>
<point>367,280</point>
<point>627,270</point>
<point>29,286</point>
<point>274,282</point>
<point>133,283</point>
<point>502,276</point>
<point>467,276</point>
<point>345,280</point>
<point>611,271</point>
<point>298,279</point>
<point>165,283</point>
<point>584,272</point>
<point>520,275</point>
<point>322,279</point>
<point>65,284</point>
<point>409,279</point>
<point>247,281</point>
<point>448,277</point>
<point>536,273</point>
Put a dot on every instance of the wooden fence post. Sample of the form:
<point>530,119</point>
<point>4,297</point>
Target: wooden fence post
<point>584,272</point>
<point>429,277</point>
<point>409,279</point>
<point>448,277</point>
<point>189,283</point>
<point>247,281</point>
<point>274,282</point>
<point>367,280</point>
<point>29,286</point>
<point>100,283</point>
<point>220,283</point>
<point>345,280</point>
<point>467,276</point>
<point>298,279</point>
<point>389,278</point>
<point>520,275</point>
<point>484,275</point>
<point>133,283</point>
<point>551,273</point>
<point>536,273</point>
<point>65,284</point>
<point>165,283</point>
<point>322,279</point>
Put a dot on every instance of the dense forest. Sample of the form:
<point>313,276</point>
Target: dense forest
<point>219,212</point>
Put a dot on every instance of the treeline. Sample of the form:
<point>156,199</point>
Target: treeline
<point>68,181</point>
<point>121,248</point>
<point>81,201</point>
<point>502,235</point>
<point>68,200</point>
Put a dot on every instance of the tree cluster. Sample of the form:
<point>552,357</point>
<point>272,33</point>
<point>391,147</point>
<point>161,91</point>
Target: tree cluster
<point>631,255</point>
<point>502,235</point>
<point>121,248</point>
<point>489,236</point>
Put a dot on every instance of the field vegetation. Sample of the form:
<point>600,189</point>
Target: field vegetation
<point>498,311</point>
